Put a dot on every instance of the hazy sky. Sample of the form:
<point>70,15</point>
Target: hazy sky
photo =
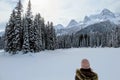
<point>60,11</point>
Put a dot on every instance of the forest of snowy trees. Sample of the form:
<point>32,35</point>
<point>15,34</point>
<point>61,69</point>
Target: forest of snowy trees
<point>28,33</point>
<point>92,39</point>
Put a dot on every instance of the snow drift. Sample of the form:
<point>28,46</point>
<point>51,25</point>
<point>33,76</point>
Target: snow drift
<point>59,64</point>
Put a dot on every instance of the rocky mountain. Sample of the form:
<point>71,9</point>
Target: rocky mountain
<point>59,26</point>
<point>86,19</point>
<point>105,16</point>
<point>72,23</point>
<point>100,27</point>
<point>70,28</point>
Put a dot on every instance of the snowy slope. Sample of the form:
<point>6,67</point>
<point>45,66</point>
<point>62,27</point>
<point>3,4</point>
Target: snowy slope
<point>59,26</point>
<point>98,27</point>
<point>71,27</point>
<point>60,64</point>
<point>72,23</point>
<point>103,16</point>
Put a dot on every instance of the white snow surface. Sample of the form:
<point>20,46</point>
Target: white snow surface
<point>59,64</point>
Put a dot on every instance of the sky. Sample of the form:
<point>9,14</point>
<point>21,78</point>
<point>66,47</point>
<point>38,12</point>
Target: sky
<point>59,11</point>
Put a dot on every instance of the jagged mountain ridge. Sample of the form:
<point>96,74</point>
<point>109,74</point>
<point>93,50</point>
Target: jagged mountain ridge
<point>103,16</point>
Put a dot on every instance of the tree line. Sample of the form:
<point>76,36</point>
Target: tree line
<point>91,39</point>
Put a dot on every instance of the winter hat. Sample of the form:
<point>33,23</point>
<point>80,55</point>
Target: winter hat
<point>85,64</point>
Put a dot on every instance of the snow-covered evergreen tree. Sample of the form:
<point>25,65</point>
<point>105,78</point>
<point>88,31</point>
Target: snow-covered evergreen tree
<point>47,36</point>
<point>43,32</point>
<point>40,28</point>
<point>116,37</point>
<point>9,33</point>
<point>50,37</point>
<point>17,40</point>
<point>29,24</point>
<point>26,45</point>
<point>13,32</point>
<point>54,36</point>
<point>37,33</point>
<point>2,42</point>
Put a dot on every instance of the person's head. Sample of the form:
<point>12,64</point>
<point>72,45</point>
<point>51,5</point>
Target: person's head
<point>85,64</point>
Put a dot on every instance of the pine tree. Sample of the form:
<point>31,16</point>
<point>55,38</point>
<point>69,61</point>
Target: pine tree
<point>29,24</point>
<point>37,33</point>
<point>9,33</point>
<point>53,36</point>
<point>26,45</point>
<point>17,40</point>
<point>116,37</point>
<point>39,26</point>
<point>47,34</point>
<point>2,41</point>
<point>28,30</point>
<point>13,34</point>
<point>50,36</point>
<point>43,33</point>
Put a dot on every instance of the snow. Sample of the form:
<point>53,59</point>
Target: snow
<point>72,23</point>
<point>59,64</point>
<point>59,26</point>
<point>107,14</point>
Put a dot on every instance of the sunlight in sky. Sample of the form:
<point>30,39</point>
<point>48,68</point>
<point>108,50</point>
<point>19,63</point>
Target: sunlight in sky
<point>62,11</point>
<point>47,8</point>
<point>59,11</point>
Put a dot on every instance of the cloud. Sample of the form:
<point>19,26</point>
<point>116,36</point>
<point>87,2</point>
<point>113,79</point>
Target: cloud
<point>5,10</point>
<point>60,11</point>
<point>77,9</point>
<point>6,7</point>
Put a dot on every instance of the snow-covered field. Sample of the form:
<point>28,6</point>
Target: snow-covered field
<point>60,64</point>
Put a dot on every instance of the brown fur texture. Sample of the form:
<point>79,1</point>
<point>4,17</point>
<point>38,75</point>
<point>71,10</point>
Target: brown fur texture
<point>85,74</point>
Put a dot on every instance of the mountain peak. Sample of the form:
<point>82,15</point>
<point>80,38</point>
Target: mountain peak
<point>86,19</point>
<point>72,23</point>
<point>59,26</point>
<point>107,13</point>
